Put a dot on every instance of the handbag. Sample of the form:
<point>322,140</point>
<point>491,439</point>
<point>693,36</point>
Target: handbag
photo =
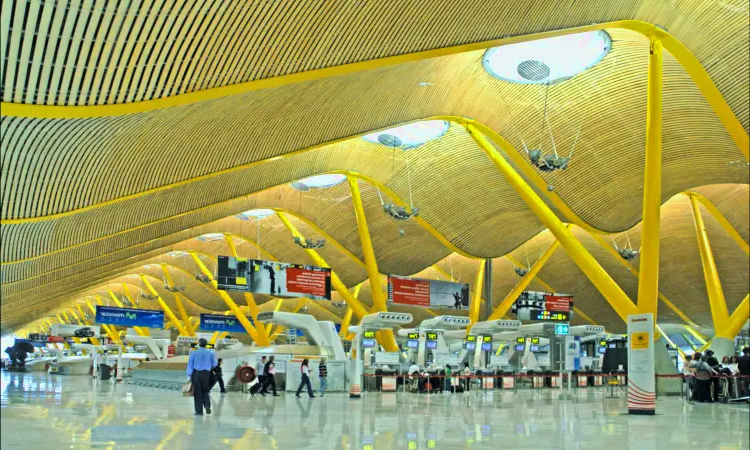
<point>187,389</point>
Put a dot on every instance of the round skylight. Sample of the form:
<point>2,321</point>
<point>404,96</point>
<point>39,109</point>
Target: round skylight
<point>255,214</point>
<point>318,182</point>
<point>547,60</point>
<point>410,135</point>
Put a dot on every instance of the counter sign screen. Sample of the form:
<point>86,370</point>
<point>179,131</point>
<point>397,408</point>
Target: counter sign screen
<point>432,336</point>
<point>520,340</point>
<point>368,343</point>
<point>412,343</point>
<point>535,341</point>
<point>413,336</point>
<point>369,335</point>
<point>486,343</point>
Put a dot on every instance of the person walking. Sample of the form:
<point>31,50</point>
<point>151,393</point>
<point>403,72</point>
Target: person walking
<point>323,375</point>
<point>268,373</point>
<point>200,364</point>
<point>219,378</point>
<point>260,367</point>
<point>305,381</point>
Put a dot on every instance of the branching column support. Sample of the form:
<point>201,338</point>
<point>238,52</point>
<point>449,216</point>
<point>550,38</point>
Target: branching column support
<point>476,299</point>
<point>359,309</point>
<point>139,330</point>
<point>167,310</point>
<point>385,337</point>
<point>648,281</point>
<point>521,286</point>
<point>260,338</point>
<point>716,300</point>
<point>578,253</point>
<point>178,301</point>
<point>347,320</point>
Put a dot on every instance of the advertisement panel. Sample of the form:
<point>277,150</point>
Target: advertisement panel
<point>273,278</point>
<point>543,306</point>
<point>129,317</point>
<point>70,330</point>
<point>641,372</point>
<point>429,293</point>
<point>217,322</point>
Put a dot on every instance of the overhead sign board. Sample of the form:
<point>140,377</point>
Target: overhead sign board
<point>558,302</point>
<point>562,329</point>
<point>129,317</point>
<point>273,278</point>
<point>429,293</point>
<point>413,336</point>
<point>550,316</point>
<point>486,343</point>
<point>217,322</point>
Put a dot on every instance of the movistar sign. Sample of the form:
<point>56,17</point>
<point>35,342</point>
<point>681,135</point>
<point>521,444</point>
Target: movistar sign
<point>129,317</point>
<point>216,322</point>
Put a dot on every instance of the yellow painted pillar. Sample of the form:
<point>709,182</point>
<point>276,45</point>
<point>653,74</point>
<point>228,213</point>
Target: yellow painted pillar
<point>141,331</point>
<point>476,299</point>
<point>167,309</point>
<point>716,299</point>
<point>253,308</point>
<point>737,320</point>
<point>523,283</point>
<point>648,281</point>
<point>371,264</point>
<point>183,314</point>
<point>578,253</point>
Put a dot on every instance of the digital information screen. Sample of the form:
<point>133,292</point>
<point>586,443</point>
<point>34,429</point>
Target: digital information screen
<point>520,347</point>
<point>602,350</point>
<point>486,343</point>
<point>431,340</point>
<point>413,336</point>
<point>470,343</point>
<point>432,345</point>
<point>368,343</point>
<point>534,341</point>
<point>369,335</point>
<point>602,343</point>
<point>534,348</point>
<point>520,340</point>
<point>551,316</point>
<point>412,343</point>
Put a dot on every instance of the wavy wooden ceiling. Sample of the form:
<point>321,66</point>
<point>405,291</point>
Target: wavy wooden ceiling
<point>78,53</point>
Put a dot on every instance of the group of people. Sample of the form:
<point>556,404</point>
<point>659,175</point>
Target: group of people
<point>266,371</point>
<point>705,369</point>
<point>452,378</point>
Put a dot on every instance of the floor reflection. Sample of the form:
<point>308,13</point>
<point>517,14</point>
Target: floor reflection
<point>80,412</point>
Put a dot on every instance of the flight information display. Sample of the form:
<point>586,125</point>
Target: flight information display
<point>535,341</point>
<point>273,278</point>
<point>486,343</point>
<point>543,306</point>
<point>551,316</point>
<point>431,340</point>
<point>412,340</point>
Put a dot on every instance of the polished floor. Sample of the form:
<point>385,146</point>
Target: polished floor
<point>51,412</point>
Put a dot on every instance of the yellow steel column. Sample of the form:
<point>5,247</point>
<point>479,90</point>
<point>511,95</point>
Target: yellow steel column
<point>139,330</point>
<point>523,283</point>
<point>578,253</point>
<point>648,281</point>
<point>371,264</point>
<point>716,301</point>
<point>230,243</point>
<point>359,309</point>
<point>163,304</point>
<point>476,299</point>
<point>736,321</point>
<point>253,308</point>
<point>178,301</point>
<point>260,338</point>
<point>345,322</point>
<point>66,317</point>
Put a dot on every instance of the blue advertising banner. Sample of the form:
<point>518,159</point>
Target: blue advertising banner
<point>217,322</point>
<point>129,317</point>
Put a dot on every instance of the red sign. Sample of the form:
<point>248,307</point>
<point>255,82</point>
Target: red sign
<point>409,291</point>
<point>55,339</point>
<point>171,351</point>
<point>302,281</point>
<point>558,303</point>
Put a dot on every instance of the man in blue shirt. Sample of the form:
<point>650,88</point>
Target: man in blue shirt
<point>199,367</point>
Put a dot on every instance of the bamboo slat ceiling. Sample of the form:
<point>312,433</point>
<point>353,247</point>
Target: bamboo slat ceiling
<point>110,194</point>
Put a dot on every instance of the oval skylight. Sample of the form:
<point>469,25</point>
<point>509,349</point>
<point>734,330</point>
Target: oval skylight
<point>211,237</point>
<point>318,182</point>
<point>410,135</point>
<point>255,214</point>
<point>547,60</point>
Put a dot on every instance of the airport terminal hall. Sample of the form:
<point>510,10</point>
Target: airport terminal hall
<point>375,224</point>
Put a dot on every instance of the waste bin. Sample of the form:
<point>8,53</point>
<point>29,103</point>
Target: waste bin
<point>105,372</point>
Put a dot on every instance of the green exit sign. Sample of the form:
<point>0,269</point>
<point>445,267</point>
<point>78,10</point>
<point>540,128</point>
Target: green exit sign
<point>561,329</point>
